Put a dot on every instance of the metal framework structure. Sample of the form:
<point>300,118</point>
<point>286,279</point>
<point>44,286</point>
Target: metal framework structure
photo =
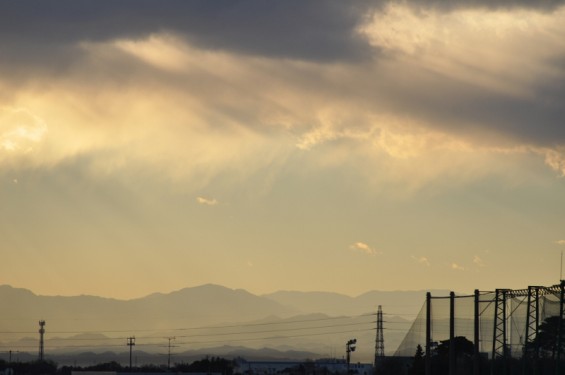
<point>533,315</point>
<point>532,297</point>
<point>499,342</point>
<point>379,341</point>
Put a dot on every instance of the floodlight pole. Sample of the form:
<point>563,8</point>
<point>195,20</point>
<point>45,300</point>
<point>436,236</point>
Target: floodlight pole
<point>349,347</point>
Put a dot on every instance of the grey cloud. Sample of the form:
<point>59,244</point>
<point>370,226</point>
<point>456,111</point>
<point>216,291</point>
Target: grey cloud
<point>500,117</point>
<point>544,6</point>
<point>301,29</point>
<point>44,34</point>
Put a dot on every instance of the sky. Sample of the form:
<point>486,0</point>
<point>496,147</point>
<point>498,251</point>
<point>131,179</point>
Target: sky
<point>345,146</point>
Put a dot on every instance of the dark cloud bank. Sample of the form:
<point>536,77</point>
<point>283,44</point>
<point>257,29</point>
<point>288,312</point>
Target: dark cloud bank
<point>304,29</point>
<point>45,34</point>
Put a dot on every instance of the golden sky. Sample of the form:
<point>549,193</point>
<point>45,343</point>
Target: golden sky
<point>340,146</point>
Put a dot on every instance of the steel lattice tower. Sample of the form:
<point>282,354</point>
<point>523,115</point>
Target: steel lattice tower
<point>379,342</point>
<point>499,342</point>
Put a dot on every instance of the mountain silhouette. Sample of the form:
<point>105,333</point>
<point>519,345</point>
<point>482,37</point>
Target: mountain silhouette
<point>205,318</point>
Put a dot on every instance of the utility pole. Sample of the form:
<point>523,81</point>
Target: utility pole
<point>41,333</point>
<point>169,357</point>
<point>131,344</point>
<point>10,355</point>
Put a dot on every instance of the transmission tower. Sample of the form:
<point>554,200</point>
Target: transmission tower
<point>379,341</point>
<point>41,333</point>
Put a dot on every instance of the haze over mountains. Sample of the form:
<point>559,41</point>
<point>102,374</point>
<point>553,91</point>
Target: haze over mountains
<point>212,318</point>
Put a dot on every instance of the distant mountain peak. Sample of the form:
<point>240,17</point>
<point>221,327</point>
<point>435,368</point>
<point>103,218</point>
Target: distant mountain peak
<point>5,289</point>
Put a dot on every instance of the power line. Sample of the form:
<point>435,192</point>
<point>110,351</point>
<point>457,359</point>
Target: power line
<point>197,328</point>
<point>229,333</point>
<point>266,338</point>
<point>276,337</point>
<point>278,330</point>
<point>238,334</point>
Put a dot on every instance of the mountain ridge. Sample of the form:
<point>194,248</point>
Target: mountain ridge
<point>206,316</point>
<point>207,304</point>
<point>6,287</point>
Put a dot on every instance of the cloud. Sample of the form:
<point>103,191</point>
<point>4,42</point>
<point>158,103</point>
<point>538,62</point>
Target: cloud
<point>478,261</point>
<point>560,242</point>
<point>363,248</point>
<point>302,29</point>
<point>490,5</point>
<point>441,92</point>
<point>298,29</point>
<point>422,260</point>
<point>490,97</point>
<point>457,267</point>
<point>207,201</point>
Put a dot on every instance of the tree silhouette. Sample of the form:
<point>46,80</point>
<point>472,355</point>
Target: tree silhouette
<point>547,336</point>
<point>45,367</point>
<point>462,346</point>
<point>418,365</point>
<point>107,366</point>
<point>464,350</point>
<point>207,365</point>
